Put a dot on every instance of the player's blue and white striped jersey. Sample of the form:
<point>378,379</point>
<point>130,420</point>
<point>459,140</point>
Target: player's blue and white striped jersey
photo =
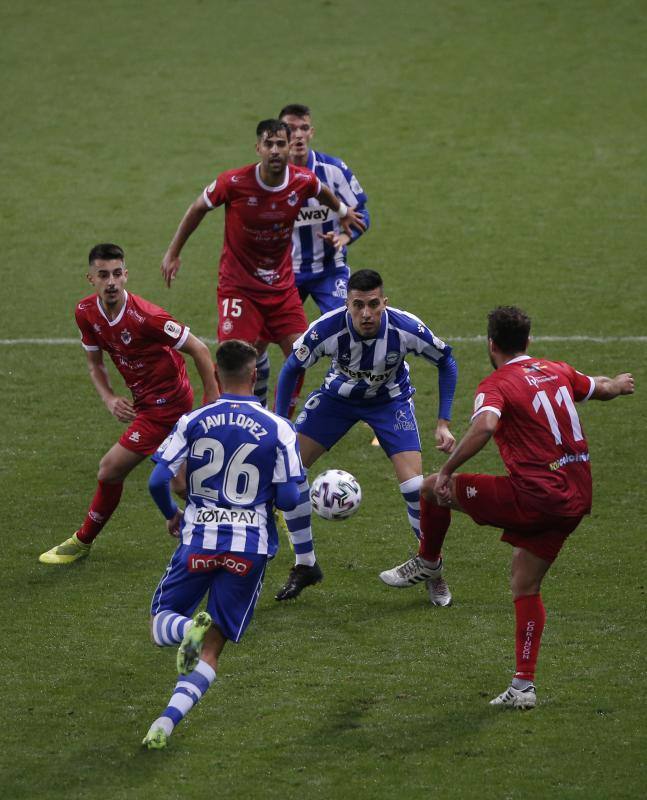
<point>309,254</point>
<point>364,370</point>
<point>235,451</point>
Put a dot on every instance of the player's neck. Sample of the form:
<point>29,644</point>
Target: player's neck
<point>112,311</point>
<point>238,389</point>
<point>300,161</point>
<point>269,179</point>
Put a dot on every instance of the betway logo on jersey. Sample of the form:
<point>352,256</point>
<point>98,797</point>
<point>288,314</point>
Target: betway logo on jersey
<point>363,374</point>
<point>225,516</point>
<point>314,215</point>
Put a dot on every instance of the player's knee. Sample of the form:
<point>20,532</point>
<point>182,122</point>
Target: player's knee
<point>107,469</point>
<point>428,486</point>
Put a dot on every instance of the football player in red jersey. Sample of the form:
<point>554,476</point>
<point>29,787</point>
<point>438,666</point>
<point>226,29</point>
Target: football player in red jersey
<point>143,342</point>
<point>528,405</point>
<point>258,301</point>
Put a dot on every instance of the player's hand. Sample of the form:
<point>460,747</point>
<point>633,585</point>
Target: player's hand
<point>443,489</point>
<point>352,220</point>
<point>121,408</point>
<point>335,240</point>
<point>625,383</point>
<point>445,441</point>
<point>170,268</point>
<point>173,524</point>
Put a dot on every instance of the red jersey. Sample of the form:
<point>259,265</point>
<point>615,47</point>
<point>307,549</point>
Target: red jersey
<point>539,435</point>
<point>259,219</point>
<point>143,342</point>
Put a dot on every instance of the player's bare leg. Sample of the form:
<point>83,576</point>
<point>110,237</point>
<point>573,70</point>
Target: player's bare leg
<point>114,467</point>
<point>192,686</point>
<point>305,571</point>
<point>427,564</point>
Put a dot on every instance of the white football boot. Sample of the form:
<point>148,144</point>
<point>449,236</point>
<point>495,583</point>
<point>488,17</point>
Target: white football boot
<point>523,699</point>
<point>413,571</point>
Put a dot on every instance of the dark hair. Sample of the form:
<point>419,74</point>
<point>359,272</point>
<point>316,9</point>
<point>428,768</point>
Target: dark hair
<point>365,280</point>
<point>272,126</point>
<point>106,252</point>
<point>235,358</point>
<point>509,329</point>
<point>295,110</point>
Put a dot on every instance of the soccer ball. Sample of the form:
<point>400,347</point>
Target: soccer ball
<point>335,494</point>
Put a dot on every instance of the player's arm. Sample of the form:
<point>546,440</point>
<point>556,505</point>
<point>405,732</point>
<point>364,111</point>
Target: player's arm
<point>610,388</point>
<point>350,192</point>
<point>159,485</point>
<point>119,407</point>
<point>194,215</point>
<point>348,217</point>
<point>286,384</point>
<point>478,435</point>
<point>200,354</point>
<point>447,377</point>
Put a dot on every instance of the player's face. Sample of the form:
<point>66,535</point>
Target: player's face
<point>274,150</point>
<point>302,131</point>
<point>109,280</point>
<point>366,309</point>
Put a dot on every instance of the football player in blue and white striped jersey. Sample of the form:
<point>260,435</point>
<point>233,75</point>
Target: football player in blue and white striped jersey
<point>241,460</point>
<point>319,244</point>
<point>368,380</point>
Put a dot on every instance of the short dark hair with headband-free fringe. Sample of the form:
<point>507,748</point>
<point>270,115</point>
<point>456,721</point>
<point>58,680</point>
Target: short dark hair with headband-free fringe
<point>105,252</point>
<point>365,280</point>
<point>272,126</point>
<point>509,329</point>
<point>235,358</point>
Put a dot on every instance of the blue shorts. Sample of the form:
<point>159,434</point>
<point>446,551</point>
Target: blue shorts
<point>233,581</point>
<point>326,419</point>
<point>328,291</point>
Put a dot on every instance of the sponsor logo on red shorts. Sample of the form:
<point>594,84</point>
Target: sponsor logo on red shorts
<point>201,562</point>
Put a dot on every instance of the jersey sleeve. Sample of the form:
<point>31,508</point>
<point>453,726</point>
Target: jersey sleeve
<point>349,190</point>
<point>88,339</point>
<point>422,341</point>
<point>582,385</point>
<point>174,449</point>
<point>309,348</point>
<point>161,327</point>
<point>488,397</point>
<point>287,466</point>
<point>216,193</point>
<point>313,186</point>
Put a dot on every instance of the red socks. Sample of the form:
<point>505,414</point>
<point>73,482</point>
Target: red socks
<point>295,395</point>
<point>434,522</point>
<point>104,502</point>
<point>530,616</point>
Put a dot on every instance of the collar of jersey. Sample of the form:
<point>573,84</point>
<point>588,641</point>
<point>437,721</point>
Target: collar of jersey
<point>272,188</point>
<point>239,398</point>
<point>310,163</point>
<point>117,319</point>
<point>515,359</point>
<point>356,336</point>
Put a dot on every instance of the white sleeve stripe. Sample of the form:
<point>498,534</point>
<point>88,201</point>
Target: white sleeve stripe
<point>183,338</point>
<point>206,198</point>
<point>591,389</point>
<point>486,408</point>
<point>91,348</point>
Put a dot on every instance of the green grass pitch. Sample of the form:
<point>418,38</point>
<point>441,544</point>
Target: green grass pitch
<point>502,146</point>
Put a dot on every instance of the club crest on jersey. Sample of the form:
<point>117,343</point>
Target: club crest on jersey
<point>126,337</point>
<point>392,358</point>
<point>340,288</point>
<point>252,201</point>
<point>172,329</point>
<point>227,326</point>
<point>293,199</point>
<point>303,416</point>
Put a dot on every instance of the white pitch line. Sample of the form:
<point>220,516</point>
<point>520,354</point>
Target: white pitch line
<point>450,339</point>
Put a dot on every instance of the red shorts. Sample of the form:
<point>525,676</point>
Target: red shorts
<point>493,500</point>
<point>267,318</point>
<point>149,428</point>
